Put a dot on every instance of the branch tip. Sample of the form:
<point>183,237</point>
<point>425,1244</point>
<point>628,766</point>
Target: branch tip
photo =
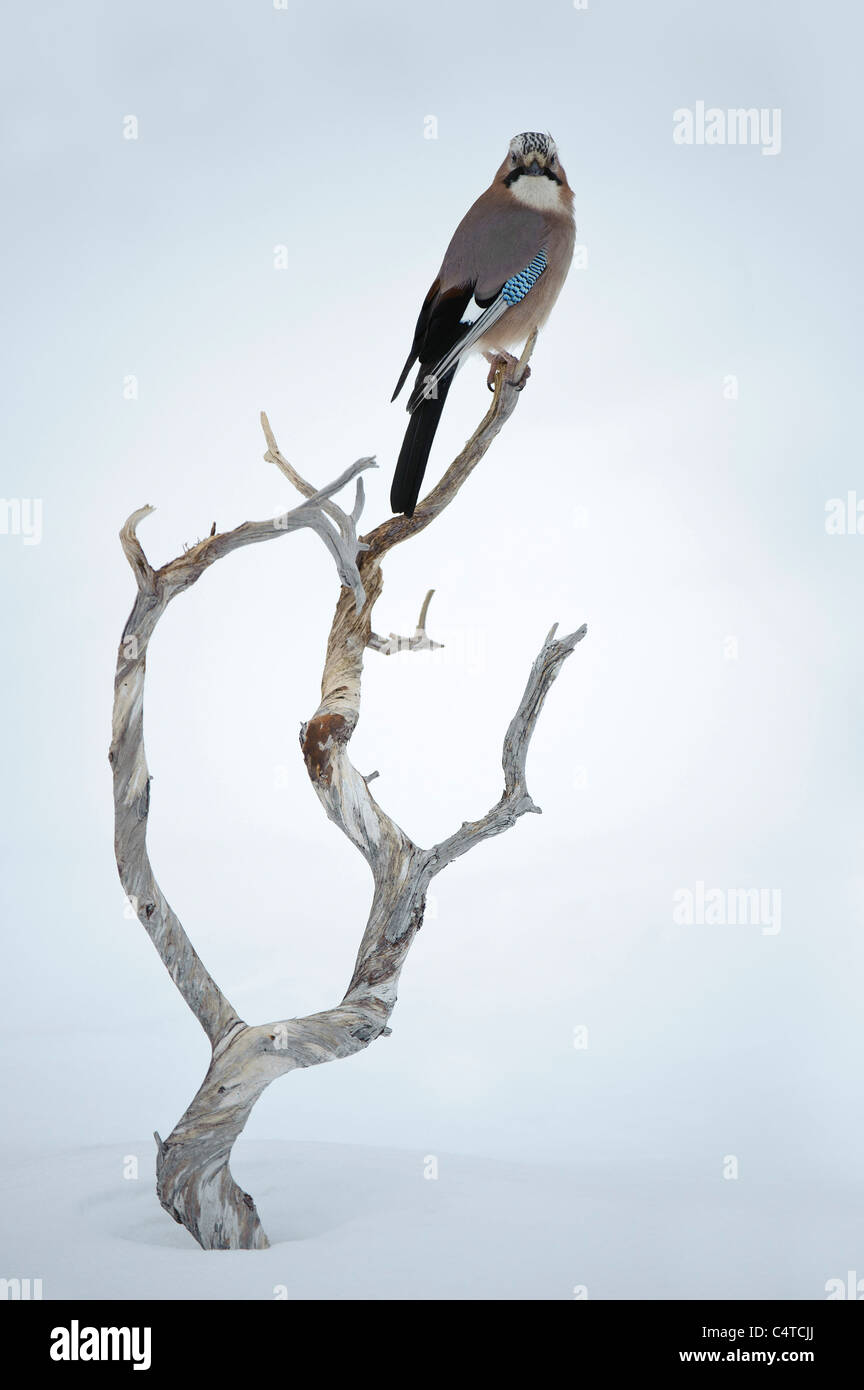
<point>573,637</point>
<point>130,525</point>
<point>421,621</point>
<point>359,501</point>
<point>268,433</point>
<point>134,552</point>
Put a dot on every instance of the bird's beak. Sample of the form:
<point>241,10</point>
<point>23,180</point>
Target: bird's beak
<point>533,168</point>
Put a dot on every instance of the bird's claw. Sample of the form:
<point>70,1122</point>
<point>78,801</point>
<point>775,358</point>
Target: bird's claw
<point>504,360</point>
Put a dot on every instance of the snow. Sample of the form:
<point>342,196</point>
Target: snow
<point>349,1222</point>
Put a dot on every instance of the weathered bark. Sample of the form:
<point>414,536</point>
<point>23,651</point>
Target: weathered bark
<point>194,1181</point>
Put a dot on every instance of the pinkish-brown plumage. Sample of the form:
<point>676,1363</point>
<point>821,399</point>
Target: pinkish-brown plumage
<point>525,211</point>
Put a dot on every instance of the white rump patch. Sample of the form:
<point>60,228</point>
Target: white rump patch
<point>472,311</point>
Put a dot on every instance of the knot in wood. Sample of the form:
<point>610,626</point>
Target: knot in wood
<point>320,736</point>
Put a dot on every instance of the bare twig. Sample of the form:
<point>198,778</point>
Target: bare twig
<point>515,800</point>
<point>394,643</point>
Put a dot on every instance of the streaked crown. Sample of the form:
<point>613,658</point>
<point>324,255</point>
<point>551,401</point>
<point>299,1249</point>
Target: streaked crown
<point>533,142</point>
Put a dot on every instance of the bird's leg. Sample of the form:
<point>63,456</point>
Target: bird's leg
<point>502,360</point>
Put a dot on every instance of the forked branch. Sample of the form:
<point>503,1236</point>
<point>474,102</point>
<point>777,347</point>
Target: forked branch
<point>194,1181</point>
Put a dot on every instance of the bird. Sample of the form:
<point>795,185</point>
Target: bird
<point>499,279</point>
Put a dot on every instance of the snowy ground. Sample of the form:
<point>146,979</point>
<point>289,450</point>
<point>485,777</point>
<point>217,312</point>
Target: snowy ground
<point>357,1222</point>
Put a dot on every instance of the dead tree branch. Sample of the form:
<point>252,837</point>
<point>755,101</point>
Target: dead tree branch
<point>194,1181</point>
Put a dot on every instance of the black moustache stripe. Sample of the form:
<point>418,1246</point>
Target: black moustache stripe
<point>517,174</point>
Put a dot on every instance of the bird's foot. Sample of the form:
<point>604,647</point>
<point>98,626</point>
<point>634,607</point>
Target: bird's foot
<point>503,360</point>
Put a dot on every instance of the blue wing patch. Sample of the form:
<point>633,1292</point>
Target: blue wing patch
<point>518,286</point>
<point>513,291</point>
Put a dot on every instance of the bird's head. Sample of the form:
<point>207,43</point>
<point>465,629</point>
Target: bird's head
<point>532,174</point>
<point>532,155</point>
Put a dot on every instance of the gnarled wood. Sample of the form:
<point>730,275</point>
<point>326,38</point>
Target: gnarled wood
<point>194,1181</point>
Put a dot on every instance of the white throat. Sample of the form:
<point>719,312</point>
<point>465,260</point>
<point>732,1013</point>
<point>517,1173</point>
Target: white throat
<point>536,191</point>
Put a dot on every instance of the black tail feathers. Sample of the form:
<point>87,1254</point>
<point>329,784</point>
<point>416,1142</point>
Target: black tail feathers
<point>414,454</point>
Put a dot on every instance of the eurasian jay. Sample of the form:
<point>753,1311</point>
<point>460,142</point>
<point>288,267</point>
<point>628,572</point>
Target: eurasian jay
<point>500,276</point>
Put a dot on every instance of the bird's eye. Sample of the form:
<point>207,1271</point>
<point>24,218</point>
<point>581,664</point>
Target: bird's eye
<point>551,159</point>
<point>512,159</point>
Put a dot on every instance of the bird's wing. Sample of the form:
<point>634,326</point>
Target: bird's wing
<point>496,240</point>
<point>438,327</point>
<point>513,289</point>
